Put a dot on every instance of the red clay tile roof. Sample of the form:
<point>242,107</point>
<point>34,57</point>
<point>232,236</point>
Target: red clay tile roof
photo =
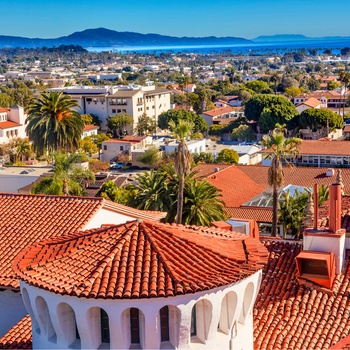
<point>207,169</point>
<point>299,176</point>
<point>90,127</point>
<point>230,181</point>
<point>322,147</point>
<point>260,214</point>
<point>26,219</point>
<point>218,111</point>
<point>140,260</point>
<point>2,110</point>
<point>8,125</point>
<point>311,102</point>
<point>289,315</point>
<point>19,336</point>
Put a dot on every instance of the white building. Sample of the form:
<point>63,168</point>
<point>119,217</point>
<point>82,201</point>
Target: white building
<point>132,100</point>
<point>142,285</point>
<point>12,123</point>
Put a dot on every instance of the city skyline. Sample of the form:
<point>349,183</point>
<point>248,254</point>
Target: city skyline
<point>46,19</point>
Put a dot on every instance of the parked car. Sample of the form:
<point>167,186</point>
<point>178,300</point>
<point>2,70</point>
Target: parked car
<point>116,166</point>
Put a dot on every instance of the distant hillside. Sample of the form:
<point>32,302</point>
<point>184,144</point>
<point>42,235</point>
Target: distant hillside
<point>102,37</point>
<point>297,37</point>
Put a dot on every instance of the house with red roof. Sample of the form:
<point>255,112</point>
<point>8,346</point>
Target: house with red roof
<point>30,218</point>
<point>12,123</point>
<point>90,130</point>
<point>215,116</point>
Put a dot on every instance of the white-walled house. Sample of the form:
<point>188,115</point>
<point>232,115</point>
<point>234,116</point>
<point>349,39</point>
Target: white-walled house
<point>12,124</point>
<point>90,130</point>
<point>142,285</point>
<point>30,218</point>
<point>113,147</point>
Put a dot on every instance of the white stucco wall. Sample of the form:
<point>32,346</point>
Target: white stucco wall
<point>230,307</point>
<point>12,183</point>
<point>12,310</point>
<point>107,217</point>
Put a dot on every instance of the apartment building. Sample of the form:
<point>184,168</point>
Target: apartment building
<point>107,101</point>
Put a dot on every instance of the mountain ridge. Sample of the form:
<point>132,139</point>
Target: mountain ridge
<point>102,37</point>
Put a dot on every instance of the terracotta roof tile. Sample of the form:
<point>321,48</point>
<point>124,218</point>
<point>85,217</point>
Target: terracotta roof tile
<point>90,127</point>
<point>289,315</point>
<point>299,176</point>
<point>260,214</point>
<point>230,180</point>
<point>26,219</point>
<point>19,336</point>
<point>140,259</point>
<point>8,125</point>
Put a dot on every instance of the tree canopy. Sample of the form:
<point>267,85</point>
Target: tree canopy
<point>229,156</point>
<point>259,87</point>
<point>199,123</point>
<point>319,119</point>
<point>268,110</point>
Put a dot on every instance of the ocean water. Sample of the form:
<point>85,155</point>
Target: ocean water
<point>257,48</point>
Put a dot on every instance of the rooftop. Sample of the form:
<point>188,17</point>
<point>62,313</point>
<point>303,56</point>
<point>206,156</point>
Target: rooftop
<point>140,259</point>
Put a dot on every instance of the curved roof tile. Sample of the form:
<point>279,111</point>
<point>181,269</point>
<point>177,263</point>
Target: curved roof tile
<point>140,259</point>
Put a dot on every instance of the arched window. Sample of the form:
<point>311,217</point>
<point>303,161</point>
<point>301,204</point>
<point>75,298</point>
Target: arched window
<point>28,305</point>
<point>68,325</point>
<point>247,302</point>
<point>45,319</point>
<point>201,320</point>
<point>228,308</point>
<point>105,338</point>
<point>135,325</point>
<point>164,323</point>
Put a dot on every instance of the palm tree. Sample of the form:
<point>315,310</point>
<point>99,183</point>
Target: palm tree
<point>182,159</point>
<point>345,79</point>
<point>280,147</point>
<point>202,204</point>
<point>151,191</point>
<point>53,124</point>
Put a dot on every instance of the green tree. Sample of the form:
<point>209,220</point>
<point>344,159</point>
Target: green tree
<point>88,146</point>
<point>202,203</point>
<point>203,157</point>
<point>151,157</point>
<point>293,91</point>
<point>91,119</point>
<point>53,124</point>
<point>199,123</point>
<point>97,139</point>
<point>280,147</point>
<point>319,120</point>
<point>291,213</point>
<point>67,178</point>
<point>242,132</point>
<point>229,156</point>
<point>118,123</point>
<point>145,125</point>
<point>111,191</point>
<point>331,85</point>
<point>182,159</point>
<point>273,109</point>
<point>259,87</point>
<point>5,100</point>
<point>152,191</point>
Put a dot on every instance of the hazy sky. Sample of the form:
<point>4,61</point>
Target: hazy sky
<point>241,18</point>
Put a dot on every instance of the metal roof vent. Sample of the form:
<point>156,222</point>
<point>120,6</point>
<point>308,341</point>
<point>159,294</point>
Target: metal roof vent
<point>216,169</point>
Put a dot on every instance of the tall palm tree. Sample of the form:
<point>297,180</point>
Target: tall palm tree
<point>202,204</point>
<point>182,159</point>
<point>53,124</point>
<point>280,147</point>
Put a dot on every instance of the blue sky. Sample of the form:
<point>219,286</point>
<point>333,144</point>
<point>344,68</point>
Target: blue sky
<point>241,18</point>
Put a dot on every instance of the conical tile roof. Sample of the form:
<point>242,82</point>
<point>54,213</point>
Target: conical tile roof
<point>140,259</point>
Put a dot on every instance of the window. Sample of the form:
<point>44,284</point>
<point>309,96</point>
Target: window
<point>135,325</point>
<point>104,327</point>
<point>122,148</point>
<point>164,323</point>
<point>193,322</point>
<point>105,147</point>
<point>89,99</point>
<point>114,110</point>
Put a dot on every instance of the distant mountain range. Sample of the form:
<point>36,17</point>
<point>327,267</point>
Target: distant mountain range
<point>101,37</point>
<point>297,37</point>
